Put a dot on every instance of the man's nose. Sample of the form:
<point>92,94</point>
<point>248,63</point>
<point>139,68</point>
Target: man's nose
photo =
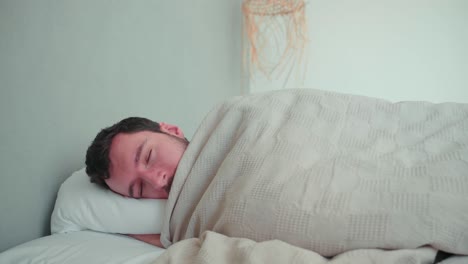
<point>157,179</point>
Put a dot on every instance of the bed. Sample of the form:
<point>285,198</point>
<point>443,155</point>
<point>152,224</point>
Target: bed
<point>87,225</point>
<point>313,176</point>
<point>82,247</point>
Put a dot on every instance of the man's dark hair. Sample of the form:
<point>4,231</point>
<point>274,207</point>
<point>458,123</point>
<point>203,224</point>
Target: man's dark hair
<point>97,156</point>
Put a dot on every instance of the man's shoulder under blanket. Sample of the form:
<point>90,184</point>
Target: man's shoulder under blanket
<point>327,172</point>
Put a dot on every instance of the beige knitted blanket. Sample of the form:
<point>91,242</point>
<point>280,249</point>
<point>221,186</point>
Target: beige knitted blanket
<point>326,172</point>
<point>214,248</point>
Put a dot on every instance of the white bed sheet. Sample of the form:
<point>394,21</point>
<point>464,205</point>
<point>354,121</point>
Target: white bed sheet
<point>82,247</point>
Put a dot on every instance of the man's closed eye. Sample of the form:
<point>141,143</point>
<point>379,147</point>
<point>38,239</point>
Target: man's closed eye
<point>149,156</point>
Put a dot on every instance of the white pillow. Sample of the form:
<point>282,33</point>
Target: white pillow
<point>82,205</point>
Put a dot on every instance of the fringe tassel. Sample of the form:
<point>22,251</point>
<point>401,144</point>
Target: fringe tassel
<point>276,33</point>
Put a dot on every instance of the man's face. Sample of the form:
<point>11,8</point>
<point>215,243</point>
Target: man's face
<point>143,164</point>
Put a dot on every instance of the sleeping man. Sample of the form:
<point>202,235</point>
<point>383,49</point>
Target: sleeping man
<point>322,171</point>
<point>137,158</point>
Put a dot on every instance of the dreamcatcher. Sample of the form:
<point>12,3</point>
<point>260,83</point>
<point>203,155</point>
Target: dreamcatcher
<point>276,36</point>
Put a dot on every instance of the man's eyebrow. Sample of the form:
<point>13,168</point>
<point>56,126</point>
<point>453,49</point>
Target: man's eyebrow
<point>130,189</point>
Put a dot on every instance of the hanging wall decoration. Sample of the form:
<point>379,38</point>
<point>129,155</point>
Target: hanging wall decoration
<point>276,39</point>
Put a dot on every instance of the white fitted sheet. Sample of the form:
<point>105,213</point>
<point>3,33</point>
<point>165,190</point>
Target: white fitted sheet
<point>82,247</point>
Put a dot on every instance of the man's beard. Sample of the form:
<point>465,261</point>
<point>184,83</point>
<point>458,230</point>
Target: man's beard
<point>168,186</point>
<point>182,143</point>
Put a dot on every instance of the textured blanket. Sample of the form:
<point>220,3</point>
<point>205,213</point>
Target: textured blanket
<point>326,172</point>
<point>213,248</point>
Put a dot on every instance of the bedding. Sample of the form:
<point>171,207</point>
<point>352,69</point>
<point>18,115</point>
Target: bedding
<point>213,248</point>
<point>82,247</point>
<point>82,205</point>
<point>326,172</point>
<point>297,176</point>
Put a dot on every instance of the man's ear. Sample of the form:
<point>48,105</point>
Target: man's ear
<point>171,129</point>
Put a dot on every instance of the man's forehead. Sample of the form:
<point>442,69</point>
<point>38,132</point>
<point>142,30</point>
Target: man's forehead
<point>119,179</point>
<point>123,139</point>
<point>123,145</point>
<point>121,157</point>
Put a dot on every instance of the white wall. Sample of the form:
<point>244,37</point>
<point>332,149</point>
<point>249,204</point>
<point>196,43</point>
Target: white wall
<point>70,68</point>
<point>393,49</point>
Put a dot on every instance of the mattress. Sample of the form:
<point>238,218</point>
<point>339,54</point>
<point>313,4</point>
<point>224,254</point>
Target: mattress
<point>82,247</point>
